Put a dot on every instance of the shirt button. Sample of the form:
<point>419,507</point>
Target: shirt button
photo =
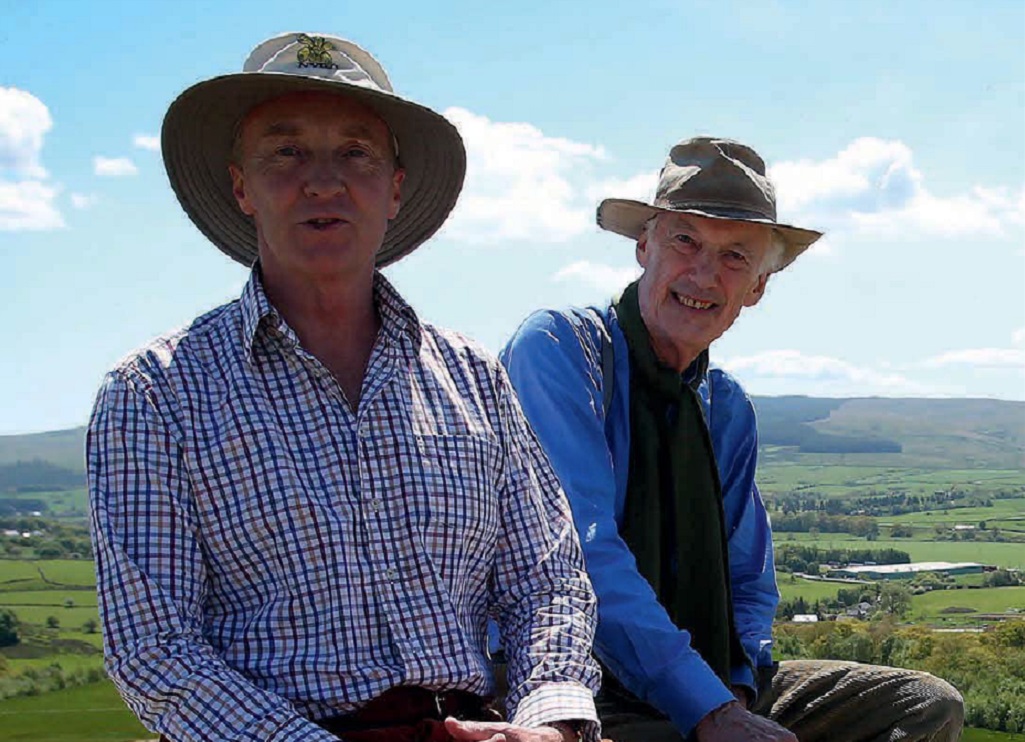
<point>375,505</point>
<point>364,433</point>
<point>391,574</point>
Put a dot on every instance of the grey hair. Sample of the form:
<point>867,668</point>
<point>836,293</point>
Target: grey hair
<point>774,257</point>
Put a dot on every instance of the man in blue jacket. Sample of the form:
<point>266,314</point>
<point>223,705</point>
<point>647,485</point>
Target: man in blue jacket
<point>657,453</point>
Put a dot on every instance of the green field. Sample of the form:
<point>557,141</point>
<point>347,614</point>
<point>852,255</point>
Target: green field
<point>831,480</point>
<point>985,735</point>
<point>75,572</point>
<point>91,712</point>
<point>810,590</point>
<point>927,607</point>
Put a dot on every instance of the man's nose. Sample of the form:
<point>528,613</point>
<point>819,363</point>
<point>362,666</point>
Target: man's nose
<point>325,177</point>
<point>703,268</point>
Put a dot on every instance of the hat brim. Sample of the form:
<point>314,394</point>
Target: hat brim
<point>628,217</point>
<point>198,134</point>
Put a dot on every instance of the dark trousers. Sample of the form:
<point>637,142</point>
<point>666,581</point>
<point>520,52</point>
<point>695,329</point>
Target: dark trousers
<point>822,701</point>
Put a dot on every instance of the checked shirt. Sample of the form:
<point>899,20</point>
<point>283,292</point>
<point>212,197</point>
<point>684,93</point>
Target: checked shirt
<point>265,556</point>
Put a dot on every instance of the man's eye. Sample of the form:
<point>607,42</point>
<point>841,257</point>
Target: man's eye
<point>736,259</point>
<point>356,152</point>
<point>686,239</point>
<point>287,151</point>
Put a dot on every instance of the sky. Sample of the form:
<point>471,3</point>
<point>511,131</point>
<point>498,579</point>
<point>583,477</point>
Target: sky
<point>896,128</point>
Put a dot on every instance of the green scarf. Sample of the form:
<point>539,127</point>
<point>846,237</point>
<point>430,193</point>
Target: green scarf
<point>674,522</point>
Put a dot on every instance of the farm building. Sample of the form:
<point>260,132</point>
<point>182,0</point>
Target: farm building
<point>805,618</point>
<point>906,571</point>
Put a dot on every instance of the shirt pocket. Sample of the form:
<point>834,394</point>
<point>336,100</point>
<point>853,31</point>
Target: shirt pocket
<point>456,507</point>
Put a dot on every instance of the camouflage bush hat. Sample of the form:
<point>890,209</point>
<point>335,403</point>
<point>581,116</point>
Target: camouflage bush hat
<point>200,125</point>
<point>715,178</point>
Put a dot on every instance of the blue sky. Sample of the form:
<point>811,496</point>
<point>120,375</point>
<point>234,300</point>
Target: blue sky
<point>898,128</point>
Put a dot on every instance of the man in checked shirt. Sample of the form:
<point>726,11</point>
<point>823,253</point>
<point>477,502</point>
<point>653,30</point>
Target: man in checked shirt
<point>307,504</point>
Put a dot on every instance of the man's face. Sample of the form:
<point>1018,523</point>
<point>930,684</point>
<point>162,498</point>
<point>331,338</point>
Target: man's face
<point>698,274</point>
<point>316,172</point>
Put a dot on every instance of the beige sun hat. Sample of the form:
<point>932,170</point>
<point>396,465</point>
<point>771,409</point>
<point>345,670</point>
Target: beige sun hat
<point>199,131</point>
<point>715,178</point>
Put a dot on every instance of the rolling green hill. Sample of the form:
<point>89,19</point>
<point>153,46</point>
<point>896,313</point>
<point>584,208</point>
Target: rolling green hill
<point>907,433</point>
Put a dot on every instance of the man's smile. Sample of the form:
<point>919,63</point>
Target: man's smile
<point>691,302</point>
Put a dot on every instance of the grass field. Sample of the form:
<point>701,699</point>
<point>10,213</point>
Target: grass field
<point>985,735</point>
<point>855,481</point>
<point>93,713</point>
<point>75,572</point>
<point>810,590</point>
<point>927,607</point>
<point>1006,554</point>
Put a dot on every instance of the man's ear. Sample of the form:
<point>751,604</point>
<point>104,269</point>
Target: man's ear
<point>756,292</point>
<point>641,251</point>
<point>397,177</point>
<point>238,189</point>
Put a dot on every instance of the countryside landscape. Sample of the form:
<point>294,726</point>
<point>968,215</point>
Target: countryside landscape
<point>899,531</point>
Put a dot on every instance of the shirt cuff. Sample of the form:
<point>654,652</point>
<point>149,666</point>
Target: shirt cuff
<point>745,676</point>
<point>688,692</point>
<point>559,702</point>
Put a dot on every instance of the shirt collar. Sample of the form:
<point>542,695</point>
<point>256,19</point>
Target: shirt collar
<point>696,372</point>
<point>259,317</point>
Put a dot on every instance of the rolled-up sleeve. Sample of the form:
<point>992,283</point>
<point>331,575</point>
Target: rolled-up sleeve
<point>546,608</point>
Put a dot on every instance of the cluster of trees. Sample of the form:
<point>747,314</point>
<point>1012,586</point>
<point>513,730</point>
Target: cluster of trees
<point>35,681</point>
<point>994,699</point>
<point>810,522</point>
<point>51,539</point>
<point>888,503</point>
<point>800,558</point>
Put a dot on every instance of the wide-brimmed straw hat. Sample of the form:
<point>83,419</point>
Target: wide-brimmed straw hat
<point>715,178</point>
<point>200,126</point>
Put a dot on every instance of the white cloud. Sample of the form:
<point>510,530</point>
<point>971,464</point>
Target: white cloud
<point>113,167</point>
<point>28,205</point>
<point>520,183</point>
<point>605,278</point>
<point>873,187</point>
<point>980,357</point>
<point>26,201</point>
<point>144,141</point>
<point>1018,336</point>
<point>24,122</point>
<point>821,375</point>
<point>83,200</point>
<point>640,187</point>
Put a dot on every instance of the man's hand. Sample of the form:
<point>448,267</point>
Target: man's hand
<point>733,723</point>
<point>494,731</point>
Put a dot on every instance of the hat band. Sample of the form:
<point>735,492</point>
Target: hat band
<point>718,208</point>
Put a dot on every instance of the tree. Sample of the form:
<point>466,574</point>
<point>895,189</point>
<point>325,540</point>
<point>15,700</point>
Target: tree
<point>90,626</point>
<point>8,628</point>
<point>895,598</point>
<point>52,622</point>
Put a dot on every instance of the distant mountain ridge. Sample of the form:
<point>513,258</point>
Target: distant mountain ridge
<point>911,432</point>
